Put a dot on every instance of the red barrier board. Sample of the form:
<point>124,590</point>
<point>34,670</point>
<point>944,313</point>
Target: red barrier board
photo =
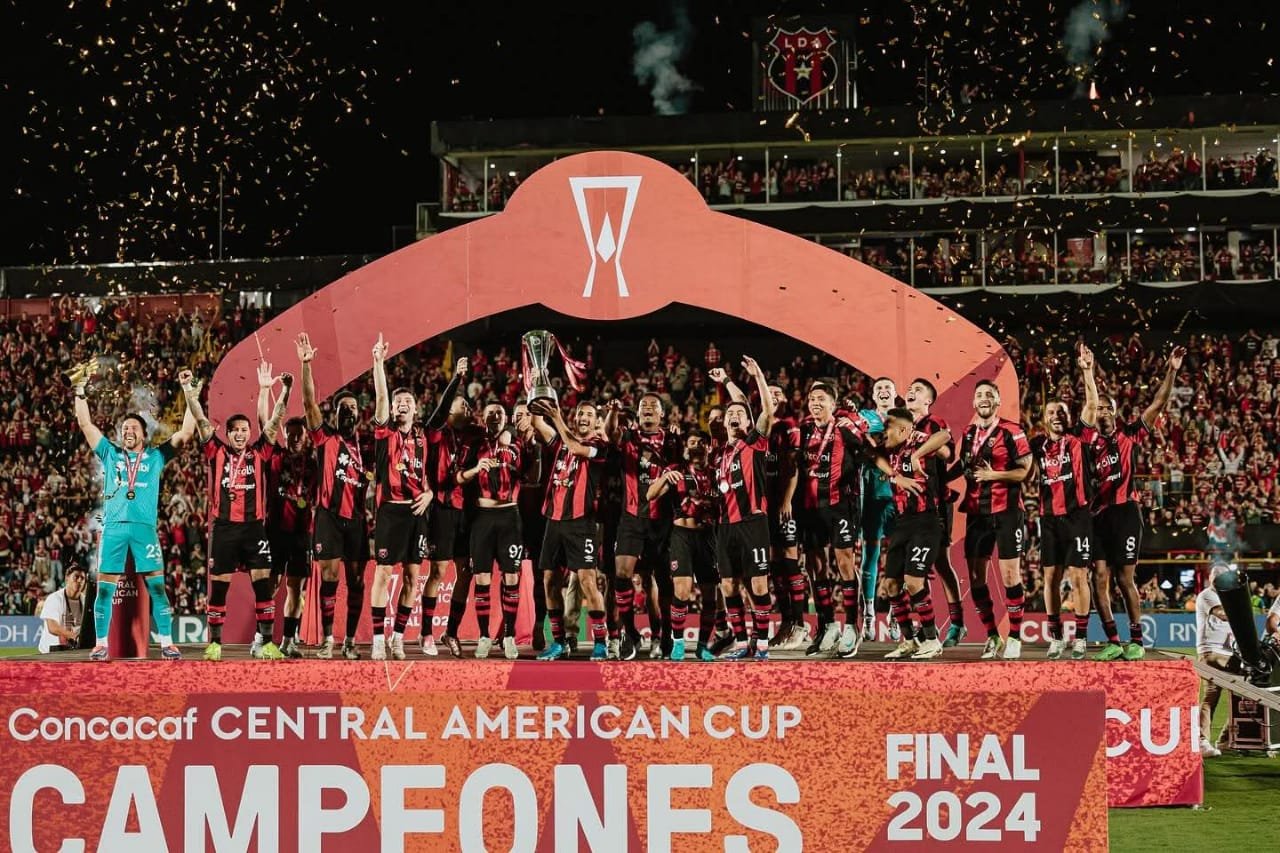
<point>564,756</point>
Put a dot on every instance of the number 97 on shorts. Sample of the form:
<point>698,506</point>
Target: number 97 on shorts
<point>972,814</point>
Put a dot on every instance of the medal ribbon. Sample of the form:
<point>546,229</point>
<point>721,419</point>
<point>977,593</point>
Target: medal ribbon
<point>980,437</point>
<point>131,470</point>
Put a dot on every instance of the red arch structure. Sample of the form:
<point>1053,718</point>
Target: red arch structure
<point>609,235</point>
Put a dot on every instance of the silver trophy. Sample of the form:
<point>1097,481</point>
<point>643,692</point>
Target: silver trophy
<point>538,346</point>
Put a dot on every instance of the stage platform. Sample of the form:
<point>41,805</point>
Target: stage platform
<point>867,653</point>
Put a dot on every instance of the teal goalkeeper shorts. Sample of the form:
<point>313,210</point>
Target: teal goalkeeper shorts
<point>877,518</point>
<point>121,538</point>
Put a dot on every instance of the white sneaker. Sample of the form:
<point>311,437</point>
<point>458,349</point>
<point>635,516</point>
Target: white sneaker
<point>646,643</point>
<point>429,645</point>
<point>483,645</point>
<point>1208,750</point>
<point>325,652</point>
<point>1056,648</point>
<point>849,640</point>
<point>509,648</point>
<point>895,633</point>
<point>1078,649</point>
<point>379,650</point>
<point>993,648</point>
<point>397,646</point>
<point>905,649</point>
<point>829,637</point>
<point>655,651</point>
<point>615,649</point>
<point>928,649</point>
<point>1012,648</point>
<point>797,639</point>
<point>255,650</point>
<point>869,627</point>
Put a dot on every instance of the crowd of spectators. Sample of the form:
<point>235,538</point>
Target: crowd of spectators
<point>1211,466</point>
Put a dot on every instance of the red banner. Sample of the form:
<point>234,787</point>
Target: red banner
<point>495,755</point>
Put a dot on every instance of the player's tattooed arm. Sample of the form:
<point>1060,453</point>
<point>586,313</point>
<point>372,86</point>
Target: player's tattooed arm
<point>1161,400</point>
<point>306,352</point>
<point>191,391</point>
<point>271,429</point>
<point>186,432</point>
<point>441,412</point>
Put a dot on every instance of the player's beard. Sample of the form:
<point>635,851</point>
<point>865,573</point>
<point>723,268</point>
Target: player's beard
<point>346,422</point>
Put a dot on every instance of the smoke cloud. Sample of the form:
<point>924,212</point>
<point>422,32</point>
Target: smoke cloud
<point>656,56</point>
<point>1088,26</point>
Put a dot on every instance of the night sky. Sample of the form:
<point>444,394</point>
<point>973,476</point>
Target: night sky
<point>119,116</point>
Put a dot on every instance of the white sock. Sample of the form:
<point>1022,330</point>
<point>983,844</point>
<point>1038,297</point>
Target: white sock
<point>165,641</point>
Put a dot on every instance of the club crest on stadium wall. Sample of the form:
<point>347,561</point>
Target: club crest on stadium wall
<point>802,66</point>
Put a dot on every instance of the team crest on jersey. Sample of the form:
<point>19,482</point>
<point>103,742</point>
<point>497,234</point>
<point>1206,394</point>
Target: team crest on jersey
<point>802,67</point>
<point>382,553</point>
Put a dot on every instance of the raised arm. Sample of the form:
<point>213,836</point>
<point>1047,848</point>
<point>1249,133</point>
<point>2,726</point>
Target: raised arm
<point>612,428</point>
<point>186,432</point>
<point>382,401</point>
<point>441,412</point>
<point>720,377</point>
<point>265,381</point>
<point>1161,400</point>
<point>80,376</point>
<point>764,422</point>
<point>192,392</point>
<point>310,409</point>
<point>1089,413</point>
<point>271,428</point>
<point>551,411</point>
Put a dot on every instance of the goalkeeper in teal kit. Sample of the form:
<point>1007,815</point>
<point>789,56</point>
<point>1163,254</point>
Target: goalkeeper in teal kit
<point>130,498</point>
<point>876,519</point>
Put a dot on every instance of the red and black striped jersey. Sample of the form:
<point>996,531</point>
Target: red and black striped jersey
<point>929,424</point>
<point>575,481</point>
<point>291,479</point>
<point>740,476</point>
<point>238,479</point>
<point>1064,474</point>
<point>829,457</point>
<point>780,461</point>
<point>446,448</point>
<point>501,483</point>
<point>640,456</point>
<point>531,497</point>
<point>1001,445</point>
<point>400,460</point>
<point>1115,460</point>
<point>695,493</point>
<point>343,478</point>
<point>929,498</point>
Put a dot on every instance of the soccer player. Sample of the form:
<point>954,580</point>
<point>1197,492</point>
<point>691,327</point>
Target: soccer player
<point>782,477</point>
<point>340,537</point>
<point>238,512</point>
<point>921,395</point>
<point>742,546</point>
<point>532,494</point>
<point>831,447</point>
<point>917,532</point>
<point>497,464</point>
<point>876,519</point>
<point>692,549</point>
<point>402,496</point>
<point>1117,519</point>
<point>290,485</point>
<point>644,527</point>
<point>572,539</point>
<point>1066,527</point>
<point>448,437</point>
<point>130,497</point>
<point>995,457</point>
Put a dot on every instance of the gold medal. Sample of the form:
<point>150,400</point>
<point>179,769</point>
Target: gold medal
<point>131,494</point>
<point>402,467</point>
<point>300,503</point>
<point>368,475</point>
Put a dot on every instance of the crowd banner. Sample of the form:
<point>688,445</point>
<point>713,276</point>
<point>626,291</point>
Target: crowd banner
<point>470,755</point>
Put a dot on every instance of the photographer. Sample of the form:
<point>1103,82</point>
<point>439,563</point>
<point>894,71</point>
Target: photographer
<point>63,614</point>
<point>1213,647</point>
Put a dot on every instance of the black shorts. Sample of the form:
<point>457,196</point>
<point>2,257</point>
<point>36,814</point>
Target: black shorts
<point>783,534</point>
<point>450,537</point>
<point>1066,540</point>
<point>399,536</point>
<point>693,555</point>
<point>643,538</point>
<point>836,526</point>
<point>913,545</point>
<point>496,538</point>
<point>533,526</point>
<point>337,538</point>
<point>946,513</point>
<point>291,553</point>
<point>742,548</point>
<point>572,545</point>
<point>234,546</point>
<point>1004,532</point>
<point>1117,535</point>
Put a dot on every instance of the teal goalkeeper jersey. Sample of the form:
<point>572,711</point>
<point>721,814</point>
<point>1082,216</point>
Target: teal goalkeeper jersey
<point>116,465</point>
<point>874,484</point>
